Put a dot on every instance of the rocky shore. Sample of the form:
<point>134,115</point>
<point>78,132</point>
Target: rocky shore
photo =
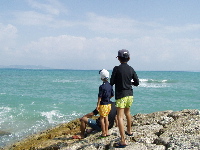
<point>165,130</point>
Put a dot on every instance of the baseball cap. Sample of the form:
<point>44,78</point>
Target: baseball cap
<point>123,53</point>
<point>104,74</point>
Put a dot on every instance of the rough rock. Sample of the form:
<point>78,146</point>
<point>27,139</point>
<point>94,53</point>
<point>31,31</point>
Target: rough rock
<point>165,130</point>
<point>4,133</point>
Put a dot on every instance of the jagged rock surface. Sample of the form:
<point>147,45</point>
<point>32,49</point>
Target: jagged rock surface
<point>165,130</point>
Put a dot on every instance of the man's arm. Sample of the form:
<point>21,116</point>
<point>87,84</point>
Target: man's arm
<point>89,115</point>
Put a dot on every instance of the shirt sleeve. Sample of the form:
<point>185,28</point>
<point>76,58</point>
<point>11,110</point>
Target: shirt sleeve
<point>112,92</point>
<point>95,112</point>
<point>135,79</point>
<point>100,91</point>
<point>112,79</point>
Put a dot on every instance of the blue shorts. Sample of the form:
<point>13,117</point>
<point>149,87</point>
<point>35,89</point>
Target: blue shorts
<point>92,123</point>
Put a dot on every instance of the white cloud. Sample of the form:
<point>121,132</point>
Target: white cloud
<point>111,24</point>
<point>33,18</point>
<point>101,52</point>
<point>181,29</point>
<point>56,47</point>
<point>8,34</point>
<point>168,54</point>
<point>148,50</point>
<point>189,49</point>
<point>152,45</point>
<point>79,52</point>
<point>53,7</point>
<point>85,53</point>
<point>45,13</point>
<point>131,28</point>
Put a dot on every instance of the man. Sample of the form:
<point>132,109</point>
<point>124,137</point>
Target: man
<point>95,124</point>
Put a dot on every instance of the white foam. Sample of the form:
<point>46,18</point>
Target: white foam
<point>52,116</point>
<point>65,81</point>
<point>153,83</point>
<point>143,80</point>
<point>154,80</point>
<point>4,115</point>
<point>164,81</point>
<point>5,109</point>
<point>75,114</point>
<point>153,86</point>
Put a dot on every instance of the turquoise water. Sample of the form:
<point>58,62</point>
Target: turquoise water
<point>34,100</point>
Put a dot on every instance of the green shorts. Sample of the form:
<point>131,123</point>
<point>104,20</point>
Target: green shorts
<point>124,102</point>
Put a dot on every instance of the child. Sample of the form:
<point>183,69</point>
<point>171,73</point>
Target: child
<point>121,77</point>
<point>104,104</point>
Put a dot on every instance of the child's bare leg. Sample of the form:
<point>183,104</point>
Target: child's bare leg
<point>128,118</point>
<point>106,125</point>
<point>120,117</point>
<point>102,125</point>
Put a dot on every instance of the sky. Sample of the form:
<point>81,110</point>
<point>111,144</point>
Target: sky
<point>161,35</point>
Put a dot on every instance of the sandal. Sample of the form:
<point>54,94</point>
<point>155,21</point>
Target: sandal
<point>108,135</point>
<point>128,133</point>
<point>76,137</point>
<point>102,136</point>
<point>119,145</point>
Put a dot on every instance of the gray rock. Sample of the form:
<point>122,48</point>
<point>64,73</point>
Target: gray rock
<point>2,133</point>
<point>164,130</point>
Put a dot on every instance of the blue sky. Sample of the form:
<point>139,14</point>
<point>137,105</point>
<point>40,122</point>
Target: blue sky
<point>86,34</point>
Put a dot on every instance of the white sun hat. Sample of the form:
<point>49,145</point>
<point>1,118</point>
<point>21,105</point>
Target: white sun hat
<point>104,74</point>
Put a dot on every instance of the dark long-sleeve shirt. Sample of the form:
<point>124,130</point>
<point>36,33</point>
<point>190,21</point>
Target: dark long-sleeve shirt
<point>105,92</point>
<point>121,77</point>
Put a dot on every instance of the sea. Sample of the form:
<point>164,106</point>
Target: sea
<point>33,100</point>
